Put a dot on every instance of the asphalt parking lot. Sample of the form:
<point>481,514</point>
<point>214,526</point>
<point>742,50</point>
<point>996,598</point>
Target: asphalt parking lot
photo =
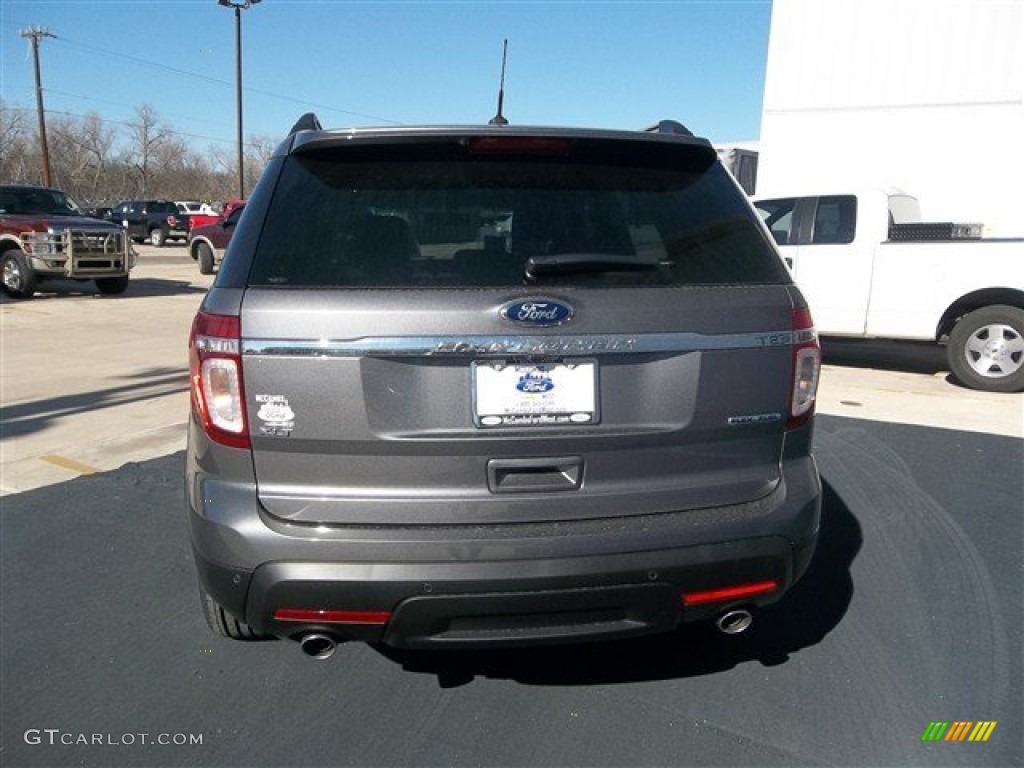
<point>910,614</point>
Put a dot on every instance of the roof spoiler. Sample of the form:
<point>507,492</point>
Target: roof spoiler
<point>308,122</point>
<point>669,126</point>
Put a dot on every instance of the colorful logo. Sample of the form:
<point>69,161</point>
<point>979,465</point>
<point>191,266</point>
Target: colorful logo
<point>535,382</point>
<point>959,730</point>
<point>539,313</point>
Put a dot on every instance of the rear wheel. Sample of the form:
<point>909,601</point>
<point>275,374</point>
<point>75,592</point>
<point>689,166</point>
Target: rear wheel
<point>986,349</point>
<point>112,285</point>
<point>223,623</point>
<point>157,237</point>
<point>19,280</point>
<point>204,254</point>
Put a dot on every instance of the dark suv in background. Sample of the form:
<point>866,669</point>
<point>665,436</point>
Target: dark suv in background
<point>159,220</point>
<point>485,386</point>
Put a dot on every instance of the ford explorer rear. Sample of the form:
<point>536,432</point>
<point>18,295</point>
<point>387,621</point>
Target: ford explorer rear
<point>486,386</point>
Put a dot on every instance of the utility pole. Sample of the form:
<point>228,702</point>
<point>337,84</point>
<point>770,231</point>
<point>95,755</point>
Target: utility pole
<point>35,34</point>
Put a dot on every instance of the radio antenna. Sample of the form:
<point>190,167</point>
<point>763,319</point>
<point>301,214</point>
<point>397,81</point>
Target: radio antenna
<point>499,119</point>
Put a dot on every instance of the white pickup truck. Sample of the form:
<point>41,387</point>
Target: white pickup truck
<point>870,268</point>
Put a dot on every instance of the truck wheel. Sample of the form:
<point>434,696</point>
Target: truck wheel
<point>223,623</point>
<point>986,349</point>
<point>205,256</point>
<point>157,237</point>
<point>112,285</point>
<point>18,278</point>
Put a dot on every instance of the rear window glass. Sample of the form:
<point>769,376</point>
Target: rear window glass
<point>778,217</point>
<point>403,217</point>
<point>835,220</point>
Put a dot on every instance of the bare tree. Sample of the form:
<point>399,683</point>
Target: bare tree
<point>17,147</point>
<point>258,151</point>
<point>98,142</point>
<point>147,134</point>
<point>67,149</point>
<point>96,161</point>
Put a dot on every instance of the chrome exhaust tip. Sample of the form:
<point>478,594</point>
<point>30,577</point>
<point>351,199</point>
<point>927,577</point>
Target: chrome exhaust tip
<point>734,622</point>
<point>318,646</point>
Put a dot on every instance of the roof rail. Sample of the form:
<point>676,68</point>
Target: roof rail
<point>307,122</point>
<point>669,126</point>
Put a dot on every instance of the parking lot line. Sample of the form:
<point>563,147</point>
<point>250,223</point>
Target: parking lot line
<point>69,464</point>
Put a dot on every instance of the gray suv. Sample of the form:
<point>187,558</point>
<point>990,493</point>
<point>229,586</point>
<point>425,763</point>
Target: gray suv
<point>487,386</point>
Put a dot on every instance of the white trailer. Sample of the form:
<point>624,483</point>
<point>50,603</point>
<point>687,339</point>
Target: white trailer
<point>924,95</point>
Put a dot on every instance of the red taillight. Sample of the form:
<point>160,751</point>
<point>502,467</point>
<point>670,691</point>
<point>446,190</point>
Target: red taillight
<point>316,616</point>
<point>734,592</point>
<point>172,221</point>
<point>215,367</point>
<point>806,369</point>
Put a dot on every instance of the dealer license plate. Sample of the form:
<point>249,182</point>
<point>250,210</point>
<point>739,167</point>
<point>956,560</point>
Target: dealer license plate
<point>534,394</point>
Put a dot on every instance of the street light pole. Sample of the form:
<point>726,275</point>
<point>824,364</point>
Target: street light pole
<point>238,99</point>
<point>238,8</point>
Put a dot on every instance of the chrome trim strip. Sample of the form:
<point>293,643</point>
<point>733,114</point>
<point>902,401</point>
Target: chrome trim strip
<point>475,346</point>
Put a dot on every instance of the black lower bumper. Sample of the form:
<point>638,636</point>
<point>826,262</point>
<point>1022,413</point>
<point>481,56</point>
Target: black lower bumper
<point>495,604</point>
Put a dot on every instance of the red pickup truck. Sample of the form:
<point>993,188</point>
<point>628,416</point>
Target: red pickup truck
<point>207,242</point>
<point>197,220</point>
<point>45,236</point>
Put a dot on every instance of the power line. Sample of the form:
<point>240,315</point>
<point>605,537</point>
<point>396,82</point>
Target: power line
<point>217,81</point>
<point>129,125</point>
<point>132,106</point>
<point>96,50</point>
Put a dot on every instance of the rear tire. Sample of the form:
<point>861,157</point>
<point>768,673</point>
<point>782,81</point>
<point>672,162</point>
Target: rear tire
<point>112,285</point>
<point>157,238</point>
<point>986,349</point>
<point>223,623</point>
<point>19,280</point>
<point>204,255</point>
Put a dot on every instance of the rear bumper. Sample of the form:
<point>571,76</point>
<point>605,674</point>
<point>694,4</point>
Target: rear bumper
<point>464,586</point>
<point>488,604</point>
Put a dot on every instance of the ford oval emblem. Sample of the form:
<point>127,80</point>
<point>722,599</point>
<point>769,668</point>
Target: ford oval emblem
<point>538,313</point>
<point>535,382</point>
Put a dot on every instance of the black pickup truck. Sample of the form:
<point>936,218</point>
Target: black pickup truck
<point>159,220</point>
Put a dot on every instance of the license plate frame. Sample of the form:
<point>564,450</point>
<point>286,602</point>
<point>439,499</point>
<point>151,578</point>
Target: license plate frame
<point>508,393</point>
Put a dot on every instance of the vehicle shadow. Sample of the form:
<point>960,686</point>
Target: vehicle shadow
<point>143,287</point>
<point>33,416</point>
<point>138,288</point>
<point>906,356</point>
<point>888,355</point>
<point>803,618</point>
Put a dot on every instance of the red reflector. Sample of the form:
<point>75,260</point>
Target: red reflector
<point>223,326</point>
<point>332,617</point>
<point>729,593</point>
<point>519,145</point>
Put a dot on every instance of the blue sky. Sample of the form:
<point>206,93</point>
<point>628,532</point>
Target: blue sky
<point>620,64</point>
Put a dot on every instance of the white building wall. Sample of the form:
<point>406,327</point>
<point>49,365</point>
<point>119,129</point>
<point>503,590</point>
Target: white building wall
<point>927,95</point>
